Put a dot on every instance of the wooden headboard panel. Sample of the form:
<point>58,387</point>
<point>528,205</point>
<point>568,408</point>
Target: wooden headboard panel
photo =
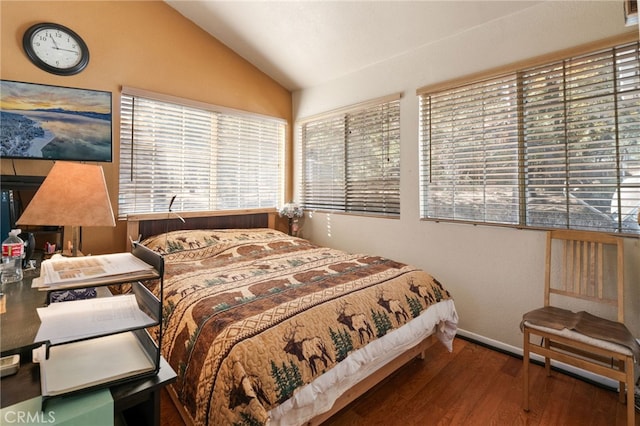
<point>146,225</point>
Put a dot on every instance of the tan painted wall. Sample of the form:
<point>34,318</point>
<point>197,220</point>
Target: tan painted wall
<point>143,44</point>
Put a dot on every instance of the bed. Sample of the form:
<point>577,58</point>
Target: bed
<point>266,328</point>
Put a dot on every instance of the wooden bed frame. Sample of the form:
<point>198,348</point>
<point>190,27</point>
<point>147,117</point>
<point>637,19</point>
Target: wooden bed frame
<point>145,225</point>
<point>368,383</point>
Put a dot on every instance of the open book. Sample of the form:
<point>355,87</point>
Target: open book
<point>72,272</point>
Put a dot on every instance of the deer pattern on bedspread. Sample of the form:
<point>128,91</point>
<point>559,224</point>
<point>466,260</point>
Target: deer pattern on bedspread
<point>252,315</point>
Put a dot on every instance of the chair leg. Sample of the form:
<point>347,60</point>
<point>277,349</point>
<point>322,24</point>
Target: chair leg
<point>630,388</point>
<point>525,370</point>
<point>547,361</point>
<point>622,366</point>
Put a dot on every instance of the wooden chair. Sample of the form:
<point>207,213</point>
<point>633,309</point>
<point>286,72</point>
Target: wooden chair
<point>584,269</point>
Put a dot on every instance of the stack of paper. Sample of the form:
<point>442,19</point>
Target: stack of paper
<point>94,342</point>
<point>69,272</point>
<point>80,319</point>
<point>92,362</point>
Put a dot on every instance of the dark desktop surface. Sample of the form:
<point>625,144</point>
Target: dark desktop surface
<point>19,316</point>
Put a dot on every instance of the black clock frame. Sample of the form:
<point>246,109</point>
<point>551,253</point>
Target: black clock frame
<point>28,48</point>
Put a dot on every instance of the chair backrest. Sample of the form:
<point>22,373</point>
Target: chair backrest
<point>586,265</point>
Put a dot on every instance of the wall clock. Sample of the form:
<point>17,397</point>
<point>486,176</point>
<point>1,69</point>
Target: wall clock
<point>55,48</point>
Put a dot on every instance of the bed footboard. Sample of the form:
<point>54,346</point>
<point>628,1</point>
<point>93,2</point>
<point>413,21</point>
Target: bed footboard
<point>371,381</point>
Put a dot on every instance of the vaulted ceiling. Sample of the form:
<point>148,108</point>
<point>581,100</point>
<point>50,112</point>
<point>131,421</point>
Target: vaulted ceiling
<point>303,44</point>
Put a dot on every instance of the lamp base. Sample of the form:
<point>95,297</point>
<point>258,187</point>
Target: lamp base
<point>75,242</point>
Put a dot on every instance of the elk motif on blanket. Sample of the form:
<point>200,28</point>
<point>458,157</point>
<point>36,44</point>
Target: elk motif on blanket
<point>308,349</point>
<point>253,315</point>
<point>356,322</point>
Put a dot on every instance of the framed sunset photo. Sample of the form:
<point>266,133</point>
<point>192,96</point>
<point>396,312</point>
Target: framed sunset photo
<point>39,121</point>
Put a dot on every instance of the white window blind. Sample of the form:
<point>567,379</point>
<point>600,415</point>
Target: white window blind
<point>552,146</point>
<point>211,160</point>
<point>351,160</point>
<point>581,126</point>
<point>470,152</point>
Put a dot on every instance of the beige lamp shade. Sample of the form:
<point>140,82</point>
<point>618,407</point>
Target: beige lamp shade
<point>73,194</point>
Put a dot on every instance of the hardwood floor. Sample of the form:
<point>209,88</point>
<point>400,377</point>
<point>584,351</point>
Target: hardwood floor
<point>473,385</point>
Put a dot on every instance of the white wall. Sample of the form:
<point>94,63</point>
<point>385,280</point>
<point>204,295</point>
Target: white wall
<point>494,273</point>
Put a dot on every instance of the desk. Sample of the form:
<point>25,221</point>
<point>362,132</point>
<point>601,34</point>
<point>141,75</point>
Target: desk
<point>137,401</point>
<point>19,318</point>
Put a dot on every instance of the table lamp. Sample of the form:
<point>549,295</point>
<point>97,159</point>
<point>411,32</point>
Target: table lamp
<point>73,194</point>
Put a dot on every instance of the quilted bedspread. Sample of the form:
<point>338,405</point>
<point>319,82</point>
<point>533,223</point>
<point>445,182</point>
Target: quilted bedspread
<point>252,315</point>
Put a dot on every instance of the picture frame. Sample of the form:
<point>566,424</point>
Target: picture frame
<point>45,122</point>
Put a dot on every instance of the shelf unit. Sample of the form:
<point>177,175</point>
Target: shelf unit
<point>17,191</point>
<point>137,338</point>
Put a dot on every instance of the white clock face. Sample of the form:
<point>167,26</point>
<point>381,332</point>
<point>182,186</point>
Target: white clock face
<point>56,48</point>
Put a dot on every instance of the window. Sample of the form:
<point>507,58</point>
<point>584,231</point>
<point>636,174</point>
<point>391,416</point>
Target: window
<point>211,158</point>
<point>351,159</point>
<point>472,153</point>
<point>555,145</point>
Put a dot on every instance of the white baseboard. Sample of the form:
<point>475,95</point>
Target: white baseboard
<point>605,381</point>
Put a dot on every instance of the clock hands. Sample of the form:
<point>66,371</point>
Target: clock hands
<point>67,50</point>
<point>55,45</point>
